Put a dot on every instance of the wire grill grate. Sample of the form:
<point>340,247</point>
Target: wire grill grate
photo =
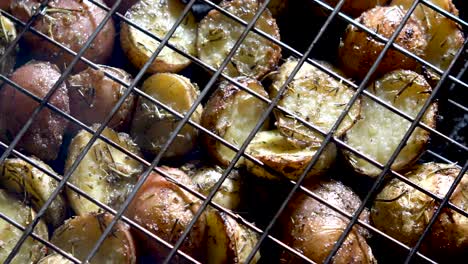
<point>451,75</point>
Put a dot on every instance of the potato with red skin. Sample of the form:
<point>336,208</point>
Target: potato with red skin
<point>165,209</point>
<point>5,4</point>
<point>44,137</point>
<point>93,95</point>
<point>71,23</point>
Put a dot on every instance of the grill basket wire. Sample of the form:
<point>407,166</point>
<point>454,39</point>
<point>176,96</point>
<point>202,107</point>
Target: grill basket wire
<point>450,75</point>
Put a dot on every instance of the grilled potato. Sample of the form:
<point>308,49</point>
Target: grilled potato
<point>379,131</point>
<point>165,209</point>
<point>229,195</point>
<point>404,212</point>
<point>232,114</point>
<point>93,95</point>
<point>5,5</point>
<point>152,126</point>
<point>31,250</point>
<point>158,17</point>
<point>54,259</point>
<point>314,96</point>
<point>358,51</point>
<point>21,177</point>
<point>79,234</point>
<point>7,35</point>
<point>444,37</point>
<point>313,228</point>
<point>71,23</point>
<point>217,34</point>
<point>228,241</point>
<point>277,153</point>
<point>45,135</point>
<point>105,173</point>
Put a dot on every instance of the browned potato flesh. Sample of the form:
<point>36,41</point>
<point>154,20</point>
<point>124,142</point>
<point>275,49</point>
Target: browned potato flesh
<point>71,23</point>
<point>79,234</point>
<point>232,114</point>
<point>44,137</point>
<point>358,51</point>
<point>313,228</point>
<point>31,250</point>
<point>165,209</point>
<point>7,35</point>
<point>93,95</point>
<point>152,126</point>
<point>379,131</point>
<point>403,212</point>
<point>217,34</point>
<point>158,17</point>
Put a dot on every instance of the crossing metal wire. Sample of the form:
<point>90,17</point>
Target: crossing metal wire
<point>451,77</point>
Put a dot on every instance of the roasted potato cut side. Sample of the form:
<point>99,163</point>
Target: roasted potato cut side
<point>379,131</point>
<point>313,228</point>
<point>358,50</point>
<point>403,212</point>
<point>444,37</point>
<point>7,35</point>
<point>45,135</point>
<point>165,209</point>
<point>79,234</point>
<point>277,153</point>
<point>152,126</point>
<point>217,35</point>
<point>21,177</point>
<point>105,173</point>
<point>158,17</point>
<point>232,114</point>
<point>31,250</point>
<point>314,96</point>
<point>93,95</point>
<point>228,241</point>
<point>54,259</point>
<point>229,195</point>
<point>70,23</point>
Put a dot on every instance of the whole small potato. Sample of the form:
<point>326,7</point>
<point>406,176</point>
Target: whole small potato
<point>93,95</point>
<point>7,35</point>
<point>165,209</point>
<point>313,228</point>
<point>358,51</point>
<point>403,212</point>
<point>44,137</point>
<point>71,23</point>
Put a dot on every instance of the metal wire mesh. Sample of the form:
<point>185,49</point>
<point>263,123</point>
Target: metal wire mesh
<point>452,77</point>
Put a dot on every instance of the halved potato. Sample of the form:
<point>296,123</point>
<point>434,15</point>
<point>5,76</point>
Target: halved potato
<point>403,212</point>
<point>379,131</point>
<point>105,173</point>
<point>21,177</point>
<point>31,250</point>
<point>79,234</point>
<point>279,154</point>
<point>229,195</point>
<point>228,241</point>
<point>232,113</point>
<point>158,17</point>
<point>7,35</point>
<point>54,259</point>
<point>152,126</point>
<point>444,36</point>
<point>314,96</point>
<point>217,35</point>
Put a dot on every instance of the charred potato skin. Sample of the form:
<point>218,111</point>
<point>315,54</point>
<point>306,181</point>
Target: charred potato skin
<point>165,209</point>
<point>306,219</point>
<point>403,212</point>
<point>44,137</point>
<point>93,95</point>
<point>7,35</point>
<point>79,234</point>
<point>21,177</point>
<point>358,51</point>
<point>71,27</point>
<point>245,9</point>
<point>220,102</point>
